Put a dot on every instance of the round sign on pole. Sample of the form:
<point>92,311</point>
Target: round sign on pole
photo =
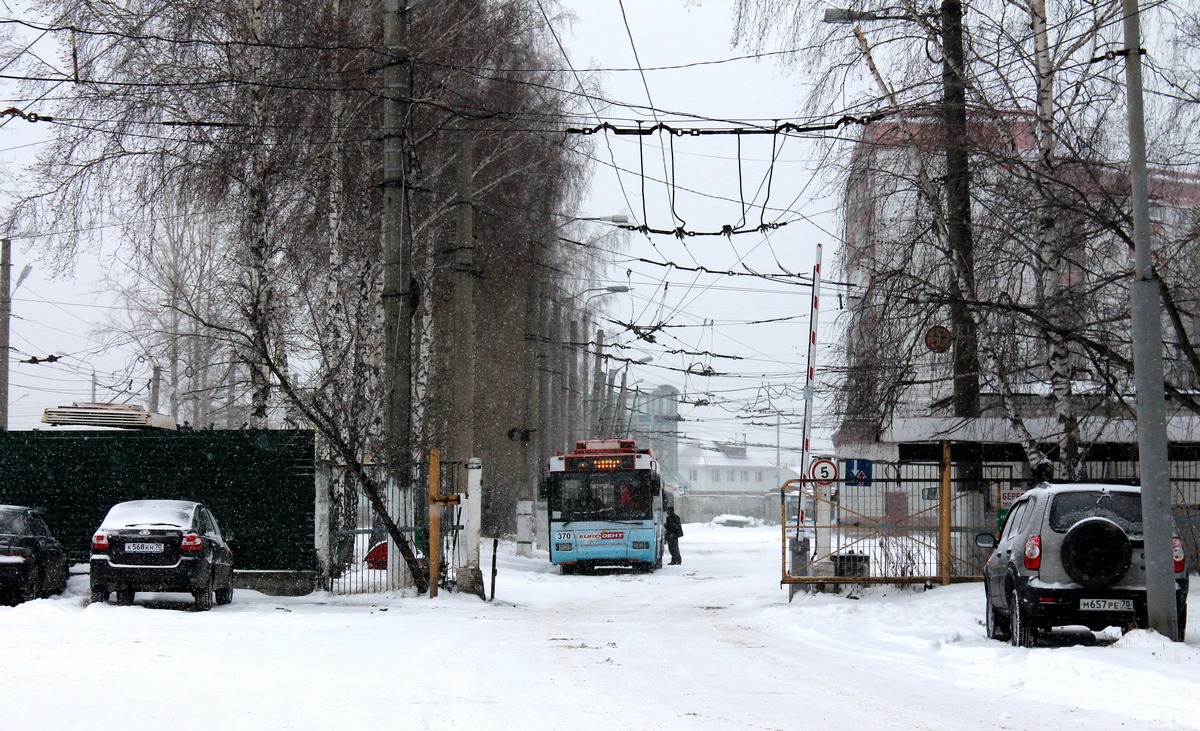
<point>823,471</point>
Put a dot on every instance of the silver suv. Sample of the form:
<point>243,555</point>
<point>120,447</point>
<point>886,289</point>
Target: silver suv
<point>1071,554</point>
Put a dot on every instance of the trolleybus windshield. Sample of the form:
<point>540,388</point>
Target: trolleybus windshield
<point>609,495</point>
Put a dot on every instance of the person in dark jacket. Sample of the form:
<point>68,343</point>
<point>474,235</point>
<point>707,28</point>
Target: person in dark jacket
<point>674,532</point>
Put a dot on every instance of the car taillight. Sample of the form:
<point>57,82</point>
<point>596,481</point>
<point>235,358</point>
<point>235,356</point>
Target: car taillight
<point>100,542</point>
<point>1033,553</point>
<point>191,542</point>
<point>1177,554</point>
<point>20,551</point>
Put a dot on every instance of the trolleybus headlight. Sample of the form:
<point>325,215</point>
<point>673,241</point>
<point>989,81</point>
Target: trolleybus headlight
<point>562,546</point>
<point>641,544</point>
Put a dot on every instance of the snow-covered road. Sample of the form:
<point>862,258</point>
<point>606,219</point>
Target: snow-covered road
<point>711,644</point>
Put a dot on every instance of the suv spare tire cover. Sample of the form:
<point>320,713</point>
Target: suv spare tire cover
<point>1096,552</point>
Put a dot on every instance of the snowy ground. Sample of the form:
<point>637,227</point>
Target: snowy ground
<point>711,644</point>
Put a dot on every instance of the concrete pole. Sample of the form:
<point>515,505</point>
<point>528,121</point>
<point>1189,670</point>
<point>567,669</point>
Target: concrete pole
<point>573,389</point>
<point>470,577</point>
<point>597,424</point>
<point>1146,327</point>
<point>585,385</point>
<point>462,331</point>
<point>397,248</point>
<point>958,209</point>
<point>558,366</point>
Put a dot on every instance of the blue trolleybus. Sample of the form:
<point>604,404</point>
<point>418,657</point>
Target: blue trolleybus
<point>605,502</point>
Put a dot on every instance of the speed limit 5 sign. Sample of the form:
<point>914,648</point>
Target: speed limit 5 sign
<point>823,471</point>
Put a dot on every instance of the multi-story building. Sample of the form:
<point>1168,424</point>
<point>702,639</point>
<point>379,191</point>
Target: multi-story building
<point>897,393</point>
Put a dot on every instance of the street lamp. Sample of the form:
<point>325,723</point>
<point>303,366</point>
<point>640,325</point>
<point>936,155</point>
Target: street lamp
<point>958,193</point>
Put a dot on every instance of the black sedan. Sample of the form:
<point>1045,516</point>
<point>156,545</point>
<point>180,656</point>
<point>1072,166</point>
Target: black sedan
<point>32,562</point>
<point>161,545</point>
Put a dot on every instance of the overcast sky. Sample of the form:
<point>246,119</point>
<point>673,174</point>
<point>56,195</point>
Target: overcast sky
<point>703,183</point>
<point>697,183</point>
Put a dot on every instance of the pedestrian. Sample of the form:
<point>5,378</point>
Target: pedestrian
<point>674,532</point>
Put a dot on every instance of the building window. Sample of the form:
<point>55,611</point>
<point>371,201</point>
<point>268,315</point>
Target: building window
<point>731,477</point>
<point>692,475</point>
<point>745,475</point>
<point>758,476</point>
<point>716,476</point>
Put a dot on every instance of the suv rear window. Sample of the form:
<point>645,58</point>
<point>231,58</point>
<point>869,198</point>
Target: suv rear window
<point>1122,508</point>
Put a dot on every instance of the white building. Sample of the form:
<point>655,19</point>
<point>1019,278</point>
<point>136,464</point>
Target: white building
<point>726,480</point>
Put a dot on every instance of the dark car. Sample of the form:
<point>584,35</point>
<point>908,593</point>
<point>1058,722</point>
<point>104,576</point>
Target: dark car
<point>32,562</point>
<point>161,545</point>
<point>1071,554</point>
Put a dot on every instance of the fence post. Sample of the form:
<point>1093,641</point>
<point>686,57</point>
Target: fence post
<point>945,515</point>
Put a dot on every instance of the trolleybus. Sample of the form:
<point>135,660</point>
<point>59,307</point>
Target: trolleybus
<point>605,505</point>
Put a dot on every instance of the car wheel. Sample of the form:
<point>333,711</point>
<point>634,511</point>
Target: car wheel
<point>33,585</point>
<point>1096,552</point>
<point>1020,634</point>
<point>997,626</point>
<point>66,575</point>
<point>204,595</point>
<point>567,569</point>
<point>99,595</point>
<point>125,597</point>
<point>225,596</point>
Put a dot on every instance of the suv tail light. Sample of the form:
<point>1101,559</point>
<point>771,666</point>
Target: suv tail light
<point>1033,553</point>
<point>191,542</point>
<point>20,551</point>
<point>1177,554</point>
<point>100,541</point>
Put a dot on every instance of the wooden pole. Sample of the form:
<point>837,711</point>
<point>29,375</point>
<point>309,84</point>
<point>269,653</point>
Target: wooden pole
<point>945,515</point>
<point>434,557</point>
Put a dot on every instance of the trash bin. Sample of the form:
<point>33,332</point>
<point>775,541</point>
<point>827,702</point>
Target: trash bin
<point>801,551</point>
<point>851,564</point>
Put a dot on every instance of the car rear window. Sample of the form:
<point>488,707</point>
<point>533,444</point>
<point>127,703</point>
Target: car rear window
<point>1122,508</point>
<point>129,515</point>
<point>12,522</point>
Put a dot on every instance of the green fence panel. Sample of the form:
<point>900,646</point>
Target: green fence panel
<point>258,483</point>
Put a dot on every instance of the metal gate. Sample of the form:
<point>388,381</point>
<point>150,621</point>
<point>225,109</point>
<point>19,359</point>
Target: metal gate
<point>356,554</point>
<point>907,523</point>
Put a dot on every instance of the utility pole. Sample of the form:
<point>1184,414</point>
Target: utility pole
<point>462,333</point>
<point>958,210</point>
<point>468,466</point>
<point>397,248</point>
<point>5,317</point>
<point>573,388</point>
<point>597,411</point>
<point>958,190</point>
<point>1146,327</point>
<point>397,296</point>
<point>558,416</point>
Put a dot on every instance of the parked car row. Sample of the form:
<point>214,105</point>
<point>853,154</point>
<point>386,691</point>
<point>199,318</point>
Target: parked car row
<point>141,545</point>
